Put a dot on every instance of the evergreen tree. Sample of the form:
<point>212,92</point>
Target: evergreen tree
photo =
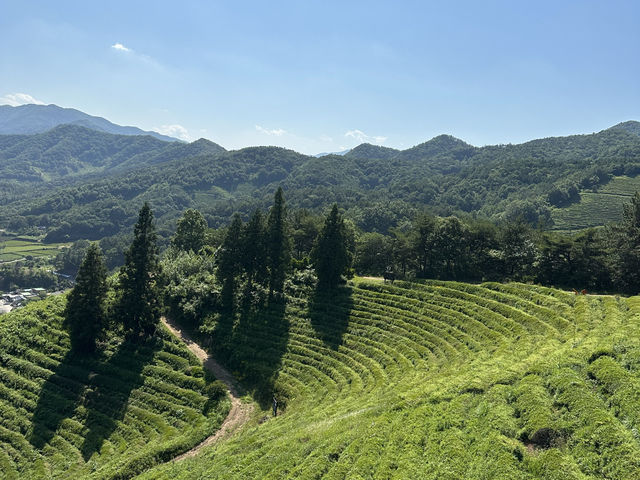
<point>139,296</point>
<point>190,231</point>
<point>330,255</point>
<point>254,249</point>
<point>626,256</point>
<point>229,259</point>
<point>85,310</point>
<point>278,244</point>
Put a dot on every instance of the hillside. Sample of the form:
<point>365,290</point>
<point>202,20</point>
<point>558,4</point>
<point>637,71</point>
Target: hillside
<point>217,183</point>
<point>597,206</point>
<point>29,119</point>
<point>106,417</point>
<point>70,150</point>
<point>366,150</point>
<point>439,381</point>
<point>631,126</point>
<point>379,188</point>
<point>33,165</point>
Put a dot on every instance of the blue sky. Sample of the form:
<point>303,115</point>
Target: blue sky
<point>325,76</point>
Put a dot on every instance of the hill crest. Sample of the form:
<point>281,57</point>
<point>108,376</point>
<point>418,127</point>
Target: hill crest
<point>31,118</point>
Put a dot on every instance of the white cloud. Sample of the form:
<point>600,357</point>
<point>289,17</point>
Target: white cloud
<point>120,47</point>
<point>362,137</point>
<point>133,55</point>
<point>17,99</point>
<point>176,131</point>
<point>278,132</point>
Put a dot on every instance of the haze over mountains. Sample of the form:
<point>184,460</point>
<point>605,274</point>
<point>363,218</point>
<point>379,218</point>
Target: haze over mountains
<point>31,118</point>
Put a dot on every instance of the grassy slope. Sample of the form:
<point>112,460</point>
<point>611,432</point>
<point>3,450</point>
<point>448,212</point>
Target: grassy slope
<point>444,381</point>
<point>104,417</point>
<point>599,208</point>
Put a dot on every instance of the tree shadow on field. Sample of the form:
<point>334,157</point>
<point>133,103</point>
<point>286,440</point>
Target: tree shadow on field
<point>329,312</point>
<point>58,398</point>
<point>258,343</point>
<point>102,385</point>
<point>110,389</point>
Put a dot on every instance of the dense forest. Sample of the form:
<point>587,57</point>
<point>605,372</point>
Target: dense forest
<point>72,154</point>
<point>378,188</point>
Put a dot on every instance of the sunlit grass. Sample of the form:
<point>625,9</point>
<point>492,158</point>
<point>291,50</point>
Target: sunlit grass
<point>445,380</point>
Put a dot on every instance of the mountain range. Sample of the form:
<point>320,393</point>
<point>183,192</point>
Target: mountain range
<point>31,118</point>
<point>77,182</point>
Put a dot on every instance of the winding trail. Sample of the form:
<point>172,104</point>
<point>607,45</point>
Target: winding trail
<point>240,412</point>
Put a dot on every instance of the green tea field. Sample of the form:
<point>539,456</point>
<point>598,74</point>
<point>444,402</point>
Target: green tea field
<point>599,208</point>
<point>110,416</point>
<point>440,380</point>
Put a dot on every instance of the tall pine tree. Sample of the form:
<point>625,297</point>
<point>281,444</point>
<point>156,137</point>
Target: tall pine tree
<point>254,249</point>
<point>278,244</point>
<point>85,310</point>
<point>229,260</point>
<point>139,295</point>
<point>331,256</point>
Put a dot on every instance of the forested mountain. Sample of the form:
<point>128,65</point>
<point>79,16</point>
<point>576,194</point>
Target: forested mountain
<point>218,184</point>
<point>630,126</point>
<point>70,154</point>
<point>29,119</point>
<point>323,154</point>
<point>379,187</point>
<point>366,150</point>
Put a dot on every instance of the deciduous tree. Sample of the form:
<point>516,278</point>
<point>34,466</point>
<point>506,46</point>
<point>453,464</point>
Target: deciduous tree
<point>190,232</point>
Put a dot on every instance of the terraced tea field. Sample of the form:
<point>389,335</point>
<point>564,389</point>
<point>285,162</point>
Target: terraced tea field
<point>104,417</point>
<point>441,380</point>
<point>596,209</point>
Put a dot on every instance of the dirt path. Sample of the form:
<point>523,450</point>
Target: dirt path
<point>239,413</point>
<point>377,279</point>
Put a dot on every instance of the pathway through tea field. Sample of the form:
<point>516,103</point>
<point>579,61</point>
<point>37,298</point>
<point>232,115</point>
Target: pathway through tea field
<point>240,412</point>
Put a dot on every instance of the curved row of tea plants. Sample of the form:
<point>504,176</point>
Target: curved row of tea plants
<point>442,380</point>
<point>111,415</point>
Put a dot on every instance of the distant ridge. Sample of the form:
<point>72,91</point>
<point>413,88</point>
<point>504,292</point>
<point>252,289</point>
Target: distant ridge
<point>366,150</point>
<point>324,154</point>
<point>630,126</point>
<point>71,150</point>
<point>30,119</point>
<point>52,179</point>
